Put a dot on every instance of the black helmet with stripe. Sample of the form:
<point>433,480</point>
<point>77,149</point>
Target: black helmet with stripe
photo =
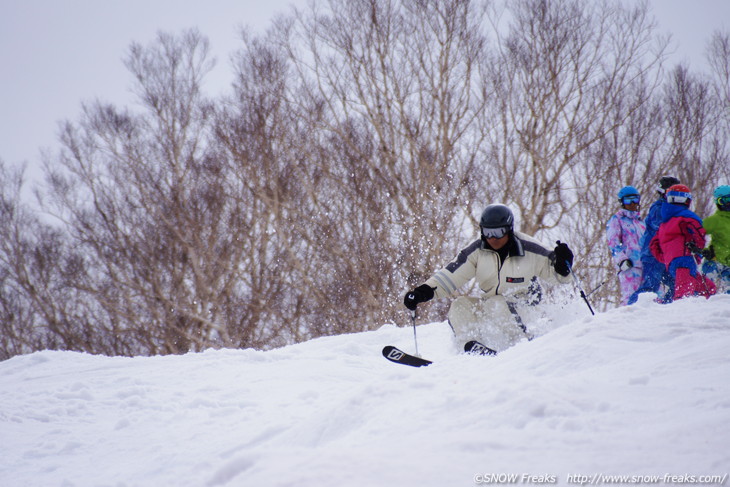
<point>497,220</point>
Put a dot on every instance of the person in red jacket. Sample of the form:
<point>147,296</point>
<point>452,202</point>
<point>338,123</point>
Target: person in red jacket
<point>676,244</point>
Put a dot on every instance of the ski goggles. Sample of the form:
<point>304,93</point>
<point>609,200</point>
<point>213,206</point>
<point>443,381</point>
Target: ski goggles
<point>630,199</point>
<point>723,202</point>
<point>679,197</point>
<point>497,232</point>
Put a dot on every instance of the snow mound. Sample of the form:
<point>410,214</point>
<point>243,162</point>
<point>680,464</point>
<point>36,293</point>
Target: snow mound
<point>640,390</point>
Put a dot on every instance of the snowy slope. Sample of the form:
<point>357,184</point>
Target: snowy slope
<point>641,390</point>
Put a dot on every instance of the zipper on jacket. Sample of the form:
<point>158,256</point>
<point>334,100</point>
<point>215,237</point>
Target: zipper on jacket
<point>499,271</point>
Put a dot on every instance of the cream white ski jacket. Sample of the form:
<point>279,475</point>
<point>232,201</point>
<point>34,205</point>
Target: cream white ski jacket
<point>527,263</point>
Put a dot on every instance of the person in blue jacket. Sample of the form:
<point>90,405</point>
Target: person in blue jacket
<point>655,273</point>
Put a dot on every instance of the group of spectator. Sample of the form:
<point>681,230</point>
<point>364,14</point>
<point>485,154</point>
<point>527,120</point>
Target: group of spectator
<point>672,252</point>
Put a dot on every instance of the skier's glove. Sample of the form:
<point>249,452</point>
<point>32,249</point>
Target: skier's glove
<point>563,259</point>
<point>421,294</point>
<point>709,253</point>
<point>693,247</point>
<point>625,265</point>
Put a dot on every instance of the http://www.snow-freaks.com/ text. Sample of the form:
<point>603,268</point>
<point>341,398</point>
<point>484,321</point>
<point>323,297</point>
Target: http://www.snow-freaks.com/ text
<point>598,479</point>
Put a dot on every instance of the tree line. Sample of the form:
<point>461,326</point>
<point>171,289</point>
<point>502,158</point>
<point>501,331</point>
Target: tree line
<point>351,158</point>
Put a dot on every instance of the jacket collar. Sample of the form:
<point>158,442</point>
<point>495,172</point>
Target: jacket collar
<point>623,212</point>
<point>670,211</point>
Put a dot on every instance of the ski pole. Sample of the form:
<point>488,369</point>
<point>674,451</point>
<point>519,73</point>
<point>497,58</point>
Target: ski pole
<point>596,288</point>
<point>415,338</point>
<point>580,288</point>
<point>513,309</point>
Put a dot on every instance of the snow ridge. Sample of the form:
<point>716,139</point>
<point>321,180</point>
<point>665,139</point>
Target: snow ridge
<point>636,391</point>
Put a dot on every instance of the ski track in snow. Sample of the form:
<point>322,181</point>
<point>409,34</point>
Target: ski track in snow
<point>640,390</point>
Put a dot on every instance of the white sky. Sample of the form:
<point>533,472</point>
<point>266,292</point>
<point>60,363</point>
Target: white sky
<point>54,54</point>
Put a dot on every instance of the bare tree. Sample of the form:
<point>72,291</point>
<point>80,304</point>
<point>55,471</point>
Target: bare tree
<point>562,73</point>
<point>18,321</point>
<point>697,139</point>
<point>144,196</point>
<point>389,93</point>
<point>718,55</point>
<point>263,144</point>
<point>38,308</point>
<point>719,59</point>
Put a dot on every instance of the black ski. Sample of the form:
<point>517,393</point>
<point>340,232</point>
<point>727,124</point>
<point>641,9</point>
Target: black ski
<point>477,348</point>
<point>400,357</point>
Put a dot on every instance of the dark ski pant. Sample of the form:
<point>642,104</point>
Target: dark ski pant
<point>655,274</point>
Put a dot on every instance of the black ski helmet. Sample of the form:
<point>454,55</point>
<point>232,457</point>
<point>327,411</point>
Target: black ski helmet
<point>497,216</point>
<point>665,182</point>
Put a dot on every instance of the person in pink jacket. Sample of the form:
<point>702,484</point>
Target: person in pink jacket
<point>624,231</point>
<point>680,235</point>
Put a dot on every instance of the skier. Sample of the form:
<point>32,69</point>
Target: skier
<point>623,235</point>
<point>654,273</point>
<point>717,225</point>
<point>681,231</point>
<point>508,266</point>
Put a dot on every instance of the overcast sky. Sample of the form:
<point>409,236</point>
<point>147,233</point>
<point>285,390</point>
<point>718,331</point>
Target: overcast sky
<point>55,54</point>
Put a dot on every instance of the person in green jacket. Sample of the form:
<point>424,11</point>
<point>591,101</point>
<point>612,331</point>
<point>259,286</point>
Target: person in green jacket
<point>717,225</point>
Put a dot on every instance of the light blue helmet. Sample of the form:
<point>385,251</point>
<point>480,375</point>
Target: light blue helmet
<point>721,191</point>
<point>628,194</point>
<point>721,195</point>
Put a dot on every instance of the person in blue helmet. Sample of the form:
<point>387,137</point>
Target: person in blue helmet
<point>624,232</point>
<point>655,276</point>
<point>717,255</point>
